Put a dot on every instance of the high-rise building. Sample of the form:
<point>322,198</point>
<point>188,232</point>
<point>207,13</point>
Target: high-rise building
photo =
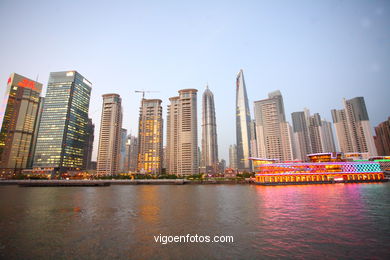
<point>122,160</point>
<point>19,112</point>
<point>301,135</point>
<point>253,141</point>
<point>209,133</point>
<point>61,141</point>
<point>222,166</point>
<point>201,170</point>
<point>342,134</point>
<point>182,134</point>
<point>35,136</point>
<point>233,156</point>
<point>89,138</point>
<point>311,134</point>
<point>359,126</point>
<point>353,127</point>
<point>294,143</point>
<point>327,139</point>
<point>131,153</point>
<point>315,133</point>
<point>382,138</point>
<point>164,163</point>
<point>243,118</point>
<point>272,131</point>
<point>110,135</point>
<point>150,137</point>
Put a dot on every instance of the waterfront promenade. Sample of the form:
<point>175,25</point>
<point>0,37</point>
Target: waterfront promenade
<point>72,183</point>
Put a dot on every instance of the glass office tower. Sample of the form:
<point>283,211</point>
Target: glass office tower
<point>243,118</point>
<point>209,133</point>
<point>62,132</point>
<point>19,112</point>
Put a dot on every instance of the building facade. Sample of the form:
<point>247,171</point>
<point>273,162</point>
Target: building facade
<point>353,128</point>
<point>131,153</point>
<point>35,136</point>
<point>382,138</point>
<point>243,118</point>
<point>315,126</point>
<point>122,160</point>
<point>182,134</point>
<point>327,139</point>
<point>89,138</point>
<point>272,130</point>
<point>301,135</point>
<point>110,138</point>
<point>253,142</point>
<point>61,140</point>
<point>150,136</point>
<point>19,113</point>
<point>233,157</point>
<point>209,133</point>
<point>341,127</point>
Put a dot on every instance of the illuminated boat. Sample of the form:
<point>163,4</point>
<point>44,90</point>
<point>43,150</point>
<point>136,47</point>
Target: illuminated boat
<point>322,168</point>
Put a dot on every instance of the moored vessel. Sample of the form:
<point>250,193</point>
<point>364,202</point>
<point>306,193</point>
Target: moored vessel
<point>322,168</point>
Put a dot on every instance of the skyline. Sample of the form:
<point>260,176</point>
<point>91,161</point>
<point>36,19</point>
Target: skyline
<point>342,47</point>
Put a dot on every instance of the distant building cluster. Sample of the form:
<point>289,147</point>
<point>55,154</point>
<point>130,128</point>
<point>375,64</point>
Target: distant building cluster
<point>53,135</point>
<point>270,136</point>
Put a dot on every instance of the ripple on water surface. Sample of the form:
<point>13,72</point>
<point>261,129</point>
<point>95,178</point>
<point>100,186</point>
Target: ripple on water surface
<point>330,221</point>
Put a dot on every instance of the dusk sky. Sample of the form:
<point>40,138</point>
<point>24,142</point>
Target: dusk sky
<point>314,52</point>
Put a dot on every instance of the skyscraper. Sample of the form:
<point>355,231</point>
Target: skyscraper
<point>341,125</point>
<point>150,137</point>
<point>311,134</point>
<point>222,166</point>
<point>20,114</point>
<point>233,156</point>
<point>301,135</point>
<point>294,143</point>
<point>327,139</point>
<point>353,127</point>
<point>89,138</point>
<point>253,141</point>
<point>243,119</point>
<point>359,126</point>
<point>35,136</point>
<point>123,150</point>
<point>110,135</point>
<point>272,131</point>
<point>131,153</point>
<point>382,138</point>
<point>209,133</point>
<point>61,141</point>
<point>315,133</point>
<point>182,133</point>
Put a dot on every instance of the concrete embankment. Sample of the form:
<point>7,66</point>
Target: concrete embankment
<point>72,183</point>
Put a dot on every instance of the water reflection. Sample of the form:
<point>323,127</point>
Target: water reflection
<point>316,219</point>
<point>333,221</point>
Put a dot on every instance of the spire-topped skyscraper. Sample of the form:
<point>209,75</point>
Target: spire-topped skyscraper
<point>209,133</point>
<point>243,118</point>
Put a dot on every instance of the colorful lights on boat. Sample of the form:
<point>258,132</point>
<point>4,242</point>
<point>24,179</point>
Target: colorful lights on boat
<point>323,168</point>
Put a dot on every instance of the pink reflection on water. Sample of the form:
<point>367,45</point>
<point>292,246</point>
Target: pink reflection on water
<point>307,217</point>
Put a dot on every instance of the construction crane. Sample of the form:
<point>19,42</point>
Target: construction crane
<point>145,91</point>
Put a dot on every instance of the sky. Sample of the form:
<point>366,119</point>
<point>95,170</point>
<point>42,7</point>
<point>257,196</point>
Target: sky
<point>315,52</point>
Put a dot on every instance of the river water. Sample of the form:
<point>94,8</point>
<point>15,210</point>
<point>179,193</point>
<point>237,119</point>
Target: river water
<point>348,221</point>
